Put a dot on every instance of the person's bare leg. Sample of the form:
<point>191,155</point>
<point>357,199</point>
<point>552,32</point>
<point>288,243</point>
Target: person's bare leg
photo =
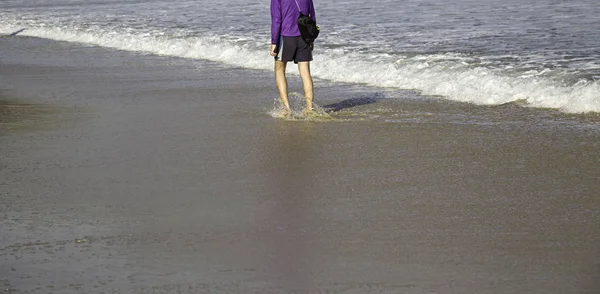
<point>281,82</point>
<point>307,84</point>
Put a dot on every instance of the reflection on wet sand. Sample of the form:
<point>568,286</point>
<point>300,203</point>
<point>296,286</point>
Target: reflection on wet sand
<point>292,165</point>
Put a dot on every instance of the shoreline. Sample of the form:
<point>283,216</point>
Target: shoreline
<point>541,92</point>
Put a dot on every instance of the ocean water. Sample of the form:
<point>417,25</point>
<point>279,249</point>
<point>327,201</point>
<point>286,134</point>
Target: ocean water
<point>538,53</point>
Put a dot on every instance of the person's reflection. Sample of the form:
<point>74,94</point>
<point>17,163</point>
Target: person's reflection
<point>291,165</point>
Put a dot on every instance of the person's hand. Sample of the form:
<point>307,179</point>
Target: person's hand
<point>272,50</point>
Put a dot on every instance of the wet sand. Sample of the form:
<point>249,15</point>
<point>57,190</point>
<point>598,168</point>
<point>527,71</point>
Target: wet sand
<point>168,176</point>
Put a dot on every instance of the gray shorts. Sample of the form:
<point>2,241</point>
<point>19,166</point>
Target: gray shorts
<point>293,49</point>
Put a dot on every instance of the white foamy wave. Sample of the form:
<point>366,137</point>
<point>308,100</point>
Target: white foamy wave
<point>451,79</point>
<point>208,48</point>
<point>461,82</point>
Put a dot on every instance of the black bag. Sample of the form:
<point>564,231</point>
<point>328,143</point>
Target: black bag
<point>308,28</point>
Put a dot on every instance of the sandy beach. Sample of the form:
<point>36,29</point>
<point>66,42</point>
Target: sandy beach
<point>131,173</point>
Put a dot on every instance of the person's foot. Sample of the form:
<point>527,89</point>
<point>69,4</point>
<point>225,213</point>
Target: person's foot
<point>284,113</point>
<point>309,112</point>
<point>309,105</point>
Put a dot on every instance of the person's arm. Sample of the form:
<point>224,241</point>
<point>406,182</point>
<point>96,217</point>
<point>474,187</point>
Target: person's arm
<point>275,21</point>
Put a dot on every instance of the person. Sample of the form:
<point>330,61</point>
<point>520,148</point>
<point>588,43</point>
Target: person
<point>287,45</point>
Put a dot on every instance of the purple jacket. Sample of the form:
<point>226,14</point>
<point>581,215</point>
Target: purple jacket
<point>284,17</point>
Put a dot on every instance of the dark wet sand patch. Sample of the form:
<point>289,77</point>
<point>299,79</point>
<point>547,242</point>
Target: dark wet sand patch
<point>21,115</point>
